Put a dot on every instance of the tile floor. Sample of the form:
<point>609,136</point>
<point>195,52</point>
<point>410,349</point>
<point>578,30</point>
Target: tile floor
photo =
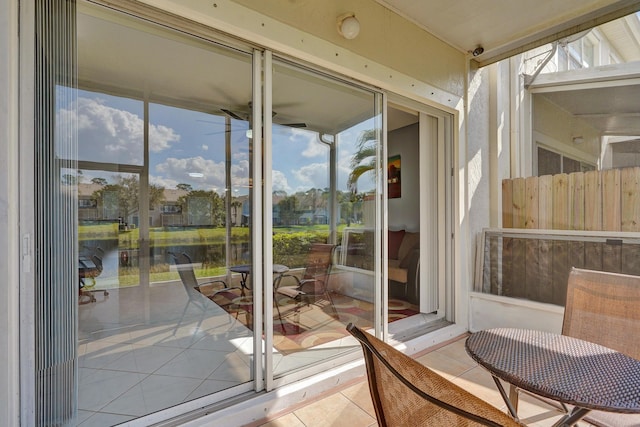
<point>352,407</point>
<point>143,349</point>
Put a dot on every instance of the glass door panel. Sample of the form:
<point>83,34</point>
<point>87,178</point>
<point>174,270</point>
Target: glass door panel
<point>163,210</point>
<point>323,131</point>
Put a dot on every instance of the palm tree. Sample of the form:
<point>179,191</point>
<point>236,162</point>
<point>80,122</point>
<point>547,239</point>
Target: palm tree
<point>364,160</point>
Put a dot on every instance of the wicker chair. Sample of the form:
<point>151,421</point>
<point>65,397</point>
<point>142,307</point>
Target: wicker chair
<point>406,393</point>
<point>604,308</point>
<point>313,287</point>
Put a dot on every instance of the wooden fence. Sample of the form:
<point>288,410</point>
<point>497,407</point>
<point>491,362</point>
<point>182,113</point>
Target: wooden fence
<point>537,268</point>
<point>596,200</point>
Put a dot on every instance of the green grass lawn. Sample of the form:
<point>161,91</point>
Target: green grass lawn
<point>290,245</point>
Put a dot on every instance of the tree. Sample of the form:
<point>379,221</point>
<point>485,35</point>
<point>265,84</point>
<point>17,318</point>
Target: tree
<point>235,205</point>
<point>99,181</point>
<point>185,187</point>
<point>289,210</point>
<point>364,160</point>
<point>127,191</point>
<point>203,207</point>
<point>69,179</point>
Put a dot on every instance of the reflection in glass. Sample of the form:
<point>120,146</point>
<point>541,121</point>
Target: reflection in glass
<point>319,126</point>
<point>163,208</point>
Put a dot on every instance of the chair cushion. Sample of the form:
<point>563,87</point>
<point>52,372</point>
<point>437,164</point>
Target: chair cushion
<point>394,263</point>
<point>409,241</point>
<point>398,274</point>
<point>395,240</point>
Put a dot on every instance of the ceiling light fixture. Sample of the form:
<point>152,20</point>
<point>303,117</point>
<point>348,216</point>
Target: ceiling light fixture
<point>348,26</point>
<point>478,51</point>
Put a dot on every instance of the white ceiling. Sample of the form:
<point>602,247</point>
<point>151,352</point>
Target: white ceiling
<point>506,27</point>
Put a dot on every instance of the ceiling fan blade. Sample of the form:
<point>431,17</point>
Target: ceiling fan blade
<point>232,114</point>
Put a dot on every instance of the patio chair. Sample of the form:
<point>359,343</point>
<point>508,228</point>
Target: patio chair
<point>604,308</point>
<point>314,282</point>
<point>89,267</point>
<point>190,283</point>
<point>407,393</point>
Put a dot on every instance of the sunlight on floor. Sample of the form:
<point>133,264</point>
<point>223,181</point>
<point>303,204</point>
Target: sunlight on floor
<point>352,407</point>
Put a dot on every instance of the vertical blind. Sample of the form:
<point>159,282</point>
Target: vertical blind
<point>54,166</point>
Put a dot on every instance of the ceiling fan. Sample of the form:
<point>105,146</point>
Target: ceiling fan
<point>246,116</point>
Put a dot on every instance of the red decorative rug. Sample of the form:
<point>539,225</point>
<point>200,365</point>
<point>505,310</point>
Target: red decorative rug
<point>311,321</point>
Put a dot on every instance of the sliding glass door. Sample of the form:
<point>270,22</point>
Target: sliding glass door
<point>215,242</point>
<point>164,206</point>
<point>324,155</point>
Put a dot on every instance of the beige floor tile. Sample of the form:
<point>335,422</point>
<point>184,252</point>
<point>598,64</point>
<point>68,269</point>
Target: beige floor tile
<point>359,394</point>
<point>480,383</point>
<point>335,411</point>
<point>445,365</point>
<point>289,420</point>
<point>455,350</point>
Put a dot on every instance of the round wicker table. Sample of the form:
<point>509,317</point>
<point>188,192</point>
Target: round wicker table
<point>568,370</point>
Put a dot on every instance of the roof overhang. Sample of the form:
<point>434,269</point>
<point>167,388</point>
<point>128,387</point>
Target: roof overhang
<point>506,28</point>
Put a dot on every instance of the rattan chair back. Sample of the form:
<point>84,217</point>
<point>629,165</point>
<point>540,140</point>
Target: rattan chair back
<point>318,267</point>
<point>407,393</point>
<point>604,308</point>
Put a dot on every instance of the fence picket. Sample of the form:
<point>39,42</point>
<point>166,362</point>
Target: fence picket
<point>611,200</point>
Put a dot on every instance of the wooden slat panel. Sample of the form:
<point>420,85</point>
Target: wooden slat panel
<point>545,271</point>
<point>560,271</point>
<point>612,258</point>
<point>593,256</point>
<point>507,203</point>
<point>630,199</point>
<point>560,201</point>
<point>576,200</point>
<point>518,285</point>
<point>495,251</point>
<point>507,266</point>
<point>519,201</point>
<point>611,200</point>
<point>531,200</point>
<point>532,269</point>
<point>592,201</point>
<point>630,262</point>
<point>545,202</point>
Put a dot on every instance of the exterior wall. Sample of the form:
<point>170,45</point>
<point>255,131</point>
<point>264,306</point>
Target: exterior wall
<point>478,154</point>
<point>490,311</point>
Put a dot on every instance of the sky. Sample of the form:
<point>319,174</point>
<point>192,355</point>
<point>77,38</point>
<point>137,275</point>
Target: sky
<point>189,147</point>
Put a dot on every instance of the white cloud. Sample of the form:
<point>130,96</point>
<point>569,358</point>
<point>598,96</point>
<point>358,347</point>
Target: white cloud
<point>175,171</point>
<point>110,135</point>
<point>314,175</point>
<point>163,182</point>
<point>315,149</point>
<point>213,175</point>
<point>205,147</point>
<point>280,182</point>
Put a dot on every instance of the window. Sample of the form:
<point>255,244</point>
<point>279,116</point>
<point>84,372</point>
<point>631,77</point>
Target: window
<point>552,163</point>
